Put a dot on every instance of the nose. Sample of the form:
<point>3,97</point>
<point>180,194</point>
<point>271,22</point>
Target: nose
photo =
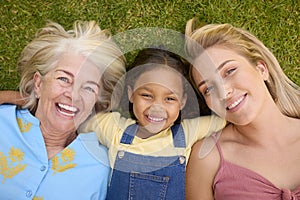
<point>72,92</point>
<point>156,107</point>
<point>225,90</point>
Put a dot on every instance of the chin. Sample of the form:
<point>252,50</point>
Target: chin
<point>240,122</point>
<point>153,130</point>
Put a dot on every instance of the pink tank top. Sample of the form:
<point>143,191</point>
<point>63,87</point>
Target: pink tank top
<point>234,182</point>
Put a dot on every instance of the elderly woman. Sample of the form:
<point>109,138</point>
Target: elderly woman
<point>257,154</point>
<point>62,75</point>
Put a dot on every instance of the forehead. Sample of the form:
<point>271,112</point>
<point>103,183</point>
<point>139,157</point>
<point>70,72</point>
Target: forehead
<point>204,66</point>
<point>163,76</point>
<point>78,66</point>
<point>208,62</point>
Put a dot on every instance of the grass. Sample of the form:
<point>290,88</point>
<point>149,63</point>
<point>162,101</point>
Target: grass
<point>275,22</point>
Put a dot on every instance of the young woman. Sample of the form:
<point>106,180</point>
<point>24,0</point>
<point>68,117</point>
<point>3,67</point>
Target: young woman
<point>257,153</point>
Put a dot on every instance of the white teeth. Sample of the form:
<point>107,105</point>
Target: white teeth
<point>67,114</point>
<point>156,119</point>
<point>69,108</point>
<point>235,103</point>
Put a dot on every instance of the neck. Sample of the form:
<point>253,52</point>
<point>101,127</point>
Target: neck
<point>143,133</point>
<point>267,128</point>
<point>56,142</point>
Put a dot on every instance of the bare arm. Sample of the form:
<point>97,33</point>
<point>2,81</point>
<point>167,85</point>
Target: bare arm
<point>200,174</point>
<point>12,97</point>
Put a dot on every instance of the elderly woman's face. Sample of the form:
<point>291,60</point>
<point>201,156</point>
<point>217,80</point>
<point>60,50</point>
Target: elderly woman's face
<point>67,93</point>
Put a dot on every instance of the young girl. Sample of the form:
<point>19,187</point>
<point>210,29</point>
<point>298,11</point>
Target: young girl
<point>149,154</point>
<point>257,154</point>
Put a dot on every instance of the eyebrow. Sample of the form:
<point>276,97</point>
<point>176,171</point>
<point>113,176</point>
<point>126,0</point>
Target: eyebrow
<point>223,64</point>
<point>66,72</point>
<point>218,69</point>
<point>93,82</point>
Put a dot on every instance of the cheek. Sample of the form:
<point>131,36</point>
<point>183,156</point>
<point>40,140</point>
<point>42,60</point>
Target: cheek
<point>47,95</point>
<point>208,101</point>
<point>174,110</point>
<point>138,107</point>
<point>51,89</point>
<point>214,104</point>
<point>141,103</point>
<point>89,103</point>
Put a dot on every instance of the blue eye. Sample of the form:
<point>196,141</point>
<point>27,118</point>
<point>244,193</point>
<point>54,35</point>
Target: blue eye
<point>90,89</point>
<point>64,79</point>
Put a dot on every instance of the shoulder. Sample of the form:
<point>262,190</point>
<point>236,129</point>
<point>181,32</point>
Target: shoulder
<point>8,111</point>
<point>109,119</point>
<point>93,123</point>
<point>7,107</point>
<point>205,154</point>
<point>202,168</point>
<point>212,122</point>
<point>200,127</point>
<point>91,144</point>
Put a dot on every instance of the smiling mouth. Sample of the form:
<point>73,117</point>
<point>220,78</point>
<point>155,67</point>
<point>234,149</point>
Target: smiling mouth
<point>236,103</point>
<point>66,110</point>
<point>155,119</point>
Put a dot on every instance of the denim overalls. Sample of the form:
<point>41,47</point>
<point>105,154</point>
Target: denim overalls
<point>142,177</point>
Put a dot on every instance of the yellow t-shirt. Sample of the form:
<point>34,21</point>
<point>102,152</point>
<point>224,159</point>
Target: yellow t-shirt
<point>109,128</point>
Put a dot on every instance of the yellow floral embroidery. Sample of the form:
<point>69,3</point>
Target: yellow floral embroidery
<point>12,168</point>
<point>24,126</point>
<point>38,198</point>
<point>63,162</point>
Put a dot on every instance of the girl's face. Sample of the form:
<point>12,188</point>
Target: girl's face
<point>232,87</point>
<point>67,93</point>
<point>157,98</point>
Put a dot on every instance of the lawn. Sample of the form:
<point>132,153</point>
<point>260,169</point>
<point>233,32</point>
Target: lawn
<point>276,23</point>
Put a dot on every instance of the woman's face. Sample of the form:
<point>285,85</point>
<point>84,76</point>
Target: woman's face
<point>157,98</point>
<point>232,87</point>
<point>67,93</point>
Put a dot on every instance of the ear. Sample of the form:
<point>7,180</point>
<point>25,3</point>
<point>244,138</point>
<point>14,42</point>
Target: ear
<point>130,93</point>
<point>183,101</point>
<point>263,70</point>
<point>37,79</point>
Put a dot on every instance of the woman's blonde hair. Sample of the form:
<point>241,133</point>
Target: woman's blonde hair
<point>87,39</point>
<point>284,92</point>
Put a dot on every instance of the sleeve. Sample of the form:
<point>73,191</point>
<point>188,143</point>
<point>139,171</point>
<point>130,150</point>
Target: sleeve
<point>201,127</point>
<point>106,126</point>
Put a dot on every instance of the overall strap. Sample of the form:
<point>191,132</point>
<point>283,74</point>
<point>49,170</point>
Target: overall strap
<point>178,136</point>
<point>129,134</point>
<point>177,133</point>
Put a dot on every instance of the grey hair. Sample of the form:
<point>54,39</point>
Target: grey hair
<point>87,39</point>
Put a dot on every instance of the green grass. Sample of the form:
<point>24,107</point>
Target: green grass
<point>276,23</point>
